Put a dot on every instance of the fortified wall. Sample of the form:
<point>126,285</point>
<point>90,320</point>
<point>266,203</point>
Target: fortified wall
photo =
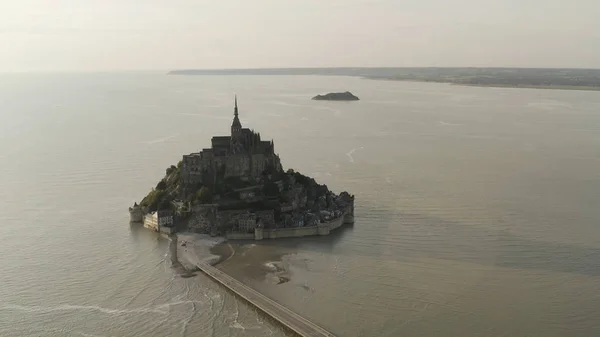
<point>323,228</point>
<point>136,213</point>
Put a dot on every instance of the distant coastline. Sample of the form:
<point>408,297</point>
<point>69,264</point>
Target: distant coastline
<point>534,78</point>
<point>548,87</point>
<point>497,85</point>
<point>513,86</point>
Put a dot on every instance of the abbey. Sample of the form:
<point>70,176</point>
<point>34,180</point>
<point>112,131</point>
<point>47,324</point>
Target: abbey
<point>237,188</point>
<point>243,154</point>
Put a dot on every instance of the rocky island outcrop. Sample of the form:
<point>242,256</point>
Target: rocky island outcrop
<point>238,188</point>
<point>336,96</point>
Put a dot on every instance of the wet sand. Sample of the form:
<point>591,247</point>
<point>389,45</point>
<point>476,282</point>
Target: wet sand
<point>256,264</point>
<point>189,249</point>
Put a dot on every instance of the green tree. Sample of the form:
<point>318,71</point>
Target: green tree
<point>204,195</point>
<point>171,169</point>
<point>153,199</point>
<point>162,185</point>
<point>302,179</point>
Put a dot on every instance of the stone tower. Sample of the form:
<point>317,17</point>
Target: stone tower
<point>236,126</point>
<point>236,131</point>
<point>136,213</point>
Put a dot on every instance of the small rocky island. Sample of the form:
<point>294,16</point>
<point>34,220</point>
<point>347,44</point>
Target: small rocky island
<point>238,188</point>
<point>336,96</point>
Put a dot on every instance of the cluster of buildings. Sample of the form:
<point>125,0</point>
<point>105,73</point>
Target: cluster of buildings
<point>300,212</point>
<point>159,221</point>
<point>242,154</point>
<point>243,212</point>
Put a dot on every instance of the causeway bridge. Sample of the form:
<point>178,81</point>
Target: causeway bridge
<point>285,316</point>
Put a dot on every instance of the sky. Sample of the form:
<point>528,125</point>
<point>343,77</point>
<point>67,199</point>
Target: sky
<point>99,35</point>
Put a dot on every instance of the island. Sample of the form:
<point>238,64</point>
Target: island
<point>336,96</point>
<point>237,188</point>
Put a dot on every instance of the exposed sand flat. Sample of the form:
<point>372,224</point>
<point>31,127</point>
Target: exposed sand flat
<point>255,263</point>
<point>194,248</point>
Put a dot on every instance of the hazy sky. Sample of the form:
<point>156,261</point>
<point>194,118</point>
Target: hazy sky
<point>165,34</point>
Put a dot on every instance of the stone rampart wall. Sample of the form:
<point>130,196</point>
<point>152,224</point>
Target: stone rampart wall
<point>295,232</point>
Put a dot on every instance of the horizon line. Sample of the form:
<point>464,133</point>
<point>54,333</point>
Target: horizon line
<point>168,70</point>
<point>390,67</point>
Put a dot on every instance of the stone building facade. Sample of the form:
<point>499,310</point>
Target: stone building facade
<point>204,218</point>
<point>242,154</point>
<point>265,218</point>
<point>158,220</point>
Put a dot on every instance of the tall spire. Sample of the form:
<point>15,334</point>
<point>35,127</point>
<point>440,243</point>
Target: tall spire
<point>236,126</point>
<point>235,109</point>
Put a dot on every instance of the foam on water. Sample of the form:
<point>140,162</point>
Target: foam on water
<point>159,140</point>
<point>449,124</point>
<point>349,154</point>
<point>69,307</point>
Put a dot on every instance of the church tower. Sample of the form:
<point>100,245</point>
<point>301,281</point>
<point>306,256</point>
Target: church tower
<point>236,126</point>
<point>237,144</point>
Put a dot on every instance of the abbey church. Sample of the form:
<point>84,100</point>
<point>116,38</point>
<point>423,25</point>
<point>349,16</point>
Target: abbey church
<point>242,154</point>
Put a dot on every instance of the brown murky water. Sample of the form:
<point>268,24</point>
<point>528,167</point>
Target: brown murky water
<point>476,208</point>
